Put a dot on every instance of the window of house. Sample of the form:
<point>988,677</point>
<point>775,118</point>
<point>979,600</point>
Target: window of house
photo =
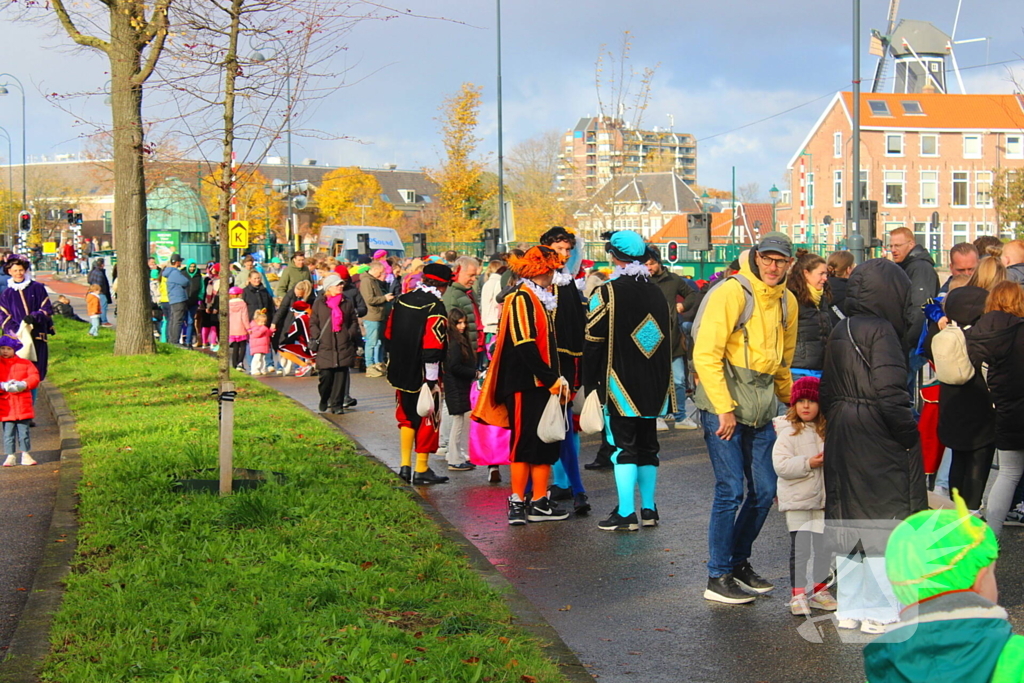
<point>837,145</point>
<point>929,188</point>
<point>961,183</point>
<point>972,146</point>
<point>929,145</point>
<point>1015,146</point>
<point>983,229</point>
<point>894,186</point>
<point>983,189</point>
<point>912,108</point>
<point>879,108</point>
<point>894,144</point>
<point>839,229</point>
<point>960,232</point>
<point>863,184</point>
<point>837,188</point>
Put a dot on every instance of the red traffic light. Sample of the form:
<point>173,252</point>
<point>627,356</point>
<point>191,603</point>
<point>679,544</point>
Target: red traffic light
<point>673,252</point>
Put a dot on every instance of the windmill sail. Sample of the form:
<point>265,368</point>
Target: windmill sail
<point>880,45</point>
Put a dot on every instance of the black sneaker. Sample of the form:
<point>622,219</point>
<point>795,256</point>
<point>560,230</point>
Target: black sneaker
<point>649,517</point>
<point>516,512</point>
<point>580,504</point>
<point>617,522</point>
<point>747,578</point>
<point>322,407</point>
<point>724,589</point>
<point>427,478</point>
<point>543,510</point>
<point>350,402</point>
<point>558,493</point>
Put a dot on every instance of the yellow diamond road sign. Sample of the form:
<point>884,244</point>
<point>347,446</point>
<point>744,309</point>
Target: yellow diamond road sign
<point>238,234</point>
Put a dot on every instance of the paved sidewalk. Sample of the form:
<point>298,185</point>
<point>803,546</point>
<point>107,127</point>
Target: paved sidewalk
<point>630,605</point>
<point>26,505</point>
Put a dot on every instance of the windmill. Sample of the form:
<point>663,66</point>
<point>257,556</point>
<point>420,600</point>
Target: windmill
<point>880,45</point>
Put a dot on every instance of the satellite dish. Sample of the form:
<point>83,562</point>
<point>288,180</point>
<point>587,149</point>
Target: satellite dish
<point>300,202</point>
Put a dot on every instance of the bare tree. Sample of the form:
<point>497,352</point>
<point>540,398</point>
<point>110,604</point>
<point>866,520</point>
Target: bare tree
<point>749,192</point>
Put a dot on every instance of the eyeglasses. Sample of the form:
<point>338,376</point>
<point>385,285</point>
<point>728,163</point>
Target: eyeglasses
<point>898,245</point>
<point>777,262</point>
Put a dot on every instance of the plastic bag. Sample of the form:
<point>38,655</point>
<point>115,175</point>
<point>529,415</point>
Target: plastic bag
<point>425,403</point>
<point>24,335</point>
<point>488,445</point>
<point>592,416</point>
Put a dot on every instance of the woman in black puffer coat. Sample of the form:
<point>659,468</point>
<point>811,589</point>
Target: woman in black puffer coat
<point>874,475</point>
<point>966,415</point>
<point>807,282</point>
<point>334,323</point>
<point>839,266</point>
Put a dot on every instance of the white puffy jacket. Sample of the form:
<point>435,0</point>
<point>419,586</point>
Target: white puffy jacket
<point>801,487</point>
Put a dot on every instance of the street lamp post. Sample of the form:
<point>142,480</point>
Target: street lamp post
<point>4,91</point>
<point>10,180</point>
<point>774,194</point>
<point>260,58</point>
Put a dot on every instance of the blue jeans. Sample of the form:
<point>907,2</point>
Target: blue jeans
<point>94,325</point>
<point>374,348</point>
<point>190,323</point>
<point>679,380</point>
<point>15,432</point>
<point>742,465</point>
<point>103,308</point>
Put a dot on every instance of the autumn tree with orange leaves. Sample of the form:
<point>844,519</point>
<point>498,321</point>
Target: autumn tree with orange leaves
<point>351,196</point>
<point>460,192</point>
<point>252,203</point>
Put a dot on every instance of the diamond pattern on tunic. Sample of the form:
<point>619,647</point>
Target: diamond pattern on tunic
<point>648,336</point>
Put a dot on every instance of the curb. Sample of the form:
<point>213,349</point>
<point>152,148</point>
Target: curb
<point>527,617</point>
<point>31,642</point>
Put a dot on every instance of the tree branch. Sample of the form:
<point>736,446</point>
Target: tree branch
<point>155,35</point>
<point>74,33</point>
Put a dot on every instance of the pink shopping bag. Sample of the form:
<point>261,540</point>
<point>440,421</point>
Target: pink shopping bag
<point>487,445</point>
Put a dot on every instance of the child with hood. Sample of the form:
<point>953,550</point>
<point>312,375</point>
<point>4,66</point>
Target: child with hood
<point>18,378</point>
<point>238,327</point>
<point>259,343</point>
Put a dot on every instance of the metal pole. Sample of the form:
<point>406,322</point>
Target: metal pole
<point>854,238</point>
<point>10,181</point>
<point>501,157</point>
<point>288,121</point>
<point>24,186</point>
<point>732,229</point>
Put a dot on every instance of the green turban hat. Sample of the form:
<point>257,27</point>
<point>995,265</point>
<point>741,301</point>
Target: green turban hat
<point>937,551</point>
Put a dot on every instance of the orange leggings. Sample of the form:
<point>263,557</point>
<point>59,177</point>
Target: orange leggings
<point>524,472</point>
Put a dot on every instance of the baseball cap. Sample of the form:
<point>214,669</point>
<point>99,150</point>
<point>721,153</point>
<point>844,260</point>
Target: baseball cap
<point>777,242</point>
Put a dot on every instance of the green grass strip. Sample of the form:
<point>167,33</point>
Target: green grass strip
<point>334,574</point>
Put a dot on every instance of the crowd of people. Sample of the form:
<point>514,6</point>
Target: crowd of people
<point>812,379</point>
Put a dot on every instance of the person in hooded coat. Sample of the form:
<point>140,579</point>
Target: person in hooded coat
<point>966,415</point>
<point>874,475</point>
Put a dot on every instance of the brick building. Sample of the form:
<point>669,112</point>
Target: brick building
<point>920,153</point>
<point>643,202</point>
<point>599,147</point>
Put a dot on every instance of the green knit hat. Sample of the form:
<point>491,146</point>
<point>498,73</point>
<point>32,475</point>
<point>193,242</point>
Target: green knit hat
<point>937,551</point>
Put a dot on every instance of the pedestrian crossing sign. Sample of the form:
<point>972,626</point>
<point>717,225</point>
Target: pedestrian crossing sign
<point>238,234</point>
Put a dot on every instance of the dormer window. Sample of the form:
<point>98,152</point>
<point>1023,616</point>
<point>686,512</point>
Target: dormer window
<point>879,108</point>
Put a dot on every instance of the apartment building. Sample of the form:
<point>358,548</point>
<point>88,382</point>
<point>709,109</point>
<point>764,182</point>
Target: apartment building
<point>600,146</point>
<point>920,153</point>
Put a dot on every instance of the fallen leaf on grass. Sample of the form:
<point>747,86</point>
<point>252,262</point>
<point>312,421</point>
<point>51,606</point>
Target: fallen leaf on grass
<point>528,679</point>
<point>366,565</point>
<point>504,640</point>
<point>471,660</point>
<point>420,649</point>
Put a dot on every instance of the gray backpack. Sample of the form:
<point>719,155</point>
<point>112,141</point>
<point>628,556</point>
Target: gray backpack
<point>748,307</point>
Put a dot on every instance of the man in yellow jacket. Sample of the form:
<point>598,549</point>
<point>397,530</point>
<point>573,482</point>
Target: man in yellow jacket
<point>745,335</point>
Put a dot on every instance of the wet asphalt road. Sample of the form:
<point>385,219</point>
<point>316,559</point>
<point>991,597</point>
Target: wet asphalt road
<point>26,504</point>
<point>630,605</point>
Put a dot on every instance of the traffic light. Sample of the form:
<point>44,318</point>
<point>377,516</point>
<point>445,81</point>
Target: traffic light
<point>78,218</point>
<point>25,221</point>
<point>673,252</point>
<point>71,216</point>
<point>491,237</point>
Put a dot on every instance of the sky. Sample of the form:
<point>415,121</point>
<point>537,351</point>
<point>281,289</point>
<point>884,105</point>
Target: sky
<point>722,75</point>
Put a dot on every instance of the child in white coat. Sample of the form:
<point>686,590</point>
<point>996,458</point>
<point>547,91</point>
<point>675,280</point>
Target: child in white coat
<point>798,457</point>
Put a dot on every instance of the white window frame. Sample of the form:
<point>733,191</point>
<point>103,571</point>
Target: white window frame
<point>898,136</point>
<point>902,182</point>
<point>952,189</point>
<point>931,136</point>
<point>837,145</point>
<point>837,188</point>
<point>979,178</point>
<point>973,155</point>
<point>934,181</point>
<point>1019,153</point>
<point>960,231</point>
<point>865,183</point>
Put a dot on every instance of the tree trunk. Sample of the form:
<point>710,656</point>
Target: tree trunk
<point>134,306</point>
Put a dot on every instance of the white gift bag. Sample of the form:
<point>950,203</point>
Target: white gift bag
<point>553,421</point>
<point>592,416</point>
<point>24,335</point>
<point>425,403</point>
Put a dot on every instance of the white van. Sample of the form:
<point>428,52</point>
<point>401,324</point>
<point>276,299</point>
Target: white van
<point>341,241</point>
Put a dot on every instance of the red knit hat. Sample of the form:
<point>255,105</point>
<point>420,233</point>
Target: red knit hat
<point>804,388</point>
<point>342,272</point>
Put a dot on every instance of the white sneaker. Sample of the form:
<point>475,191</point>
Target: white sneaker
<point>661,426</point>
<point>847,623</point>
<point>688,423</point>
<point>11,461</point>
<point>872,627</point>
<point>26,459</point>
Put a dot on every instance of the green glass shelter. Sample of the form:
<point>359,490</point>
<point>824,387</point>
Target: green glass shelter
<point>178,223</point>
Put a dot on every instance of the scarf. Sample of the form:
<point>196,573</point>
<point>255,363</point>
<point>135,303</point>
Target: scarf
<point>19,286</point>
<point>424,287</point>
<point>634,269</point>
<point>816,295</point>
<point>337,317</point>
<point>549,300</point>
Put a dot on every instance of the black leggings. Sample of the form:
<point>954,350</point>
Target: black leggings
<point>238,353</point>
<point>803,546</point>
<point>968,474</point>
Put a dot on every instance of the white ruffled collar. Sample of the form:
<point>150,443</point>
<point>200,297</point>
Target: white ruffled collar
<point>427,288</point>
<point>562,277</point>
<point>549,300</point>
<point>633,269</point>
<point>18,286</point>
